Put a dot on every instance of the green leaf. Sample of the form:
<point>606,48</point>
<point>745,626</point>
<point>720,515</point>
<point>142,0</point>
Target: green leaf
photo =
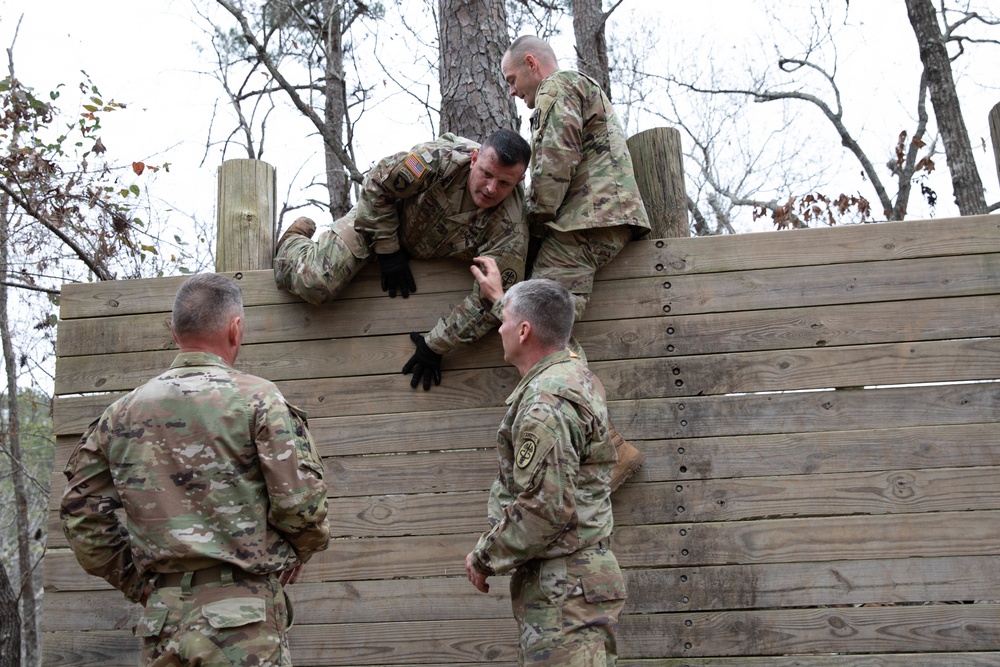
<point>134,189</point>
<point>91,108</point>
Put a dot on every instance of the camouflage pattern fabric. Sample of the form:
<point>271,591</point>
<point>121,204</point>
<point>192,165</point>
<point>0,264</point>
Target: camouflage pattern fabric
<point>416,200</point>
<point>572,258</point>
<point>317,271</point>
<point>242,624</point>
<point>581,171</point>
<point>550,505</point>
<point>567,609</point>
<point>211,466</point>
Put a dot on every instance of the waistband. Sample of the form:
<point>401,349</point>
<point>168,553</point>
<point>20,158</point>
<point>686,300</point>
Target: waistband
<point>219,574</point>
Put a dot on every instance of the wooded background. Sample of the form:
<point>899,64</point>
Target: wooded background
<point>818,410</point>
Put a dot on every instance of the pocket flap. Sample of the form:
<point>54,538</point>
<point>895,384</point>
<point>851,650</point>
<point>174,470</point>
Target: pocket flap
<point>235,612</point>
<point>603,588</point>
<point>150,623</point>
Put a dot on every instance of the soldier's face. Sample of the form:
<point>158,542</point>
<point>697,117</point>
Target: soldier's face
<point>523,78</point>
<point>490,180</point>
<point>509,335</point>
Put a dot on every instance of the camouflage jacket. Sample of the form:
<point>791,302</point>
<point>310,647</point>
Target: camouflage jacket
<point>418,200</point>
<point>552,495</point>
<point>210,465</point>
<point>581,170</point>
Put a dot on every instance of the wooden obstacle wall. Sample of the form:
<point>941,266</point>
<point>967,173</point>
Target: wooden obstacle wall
<point>818,408</point>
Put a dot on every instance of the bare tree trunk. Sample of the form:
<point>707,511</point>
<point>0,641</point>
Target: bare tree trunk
<point>474,99</point>
<point>591,45</point>
<point>10,623</point>
<point>338,181</point>
<point>965,179</point>
<point>25,566</point>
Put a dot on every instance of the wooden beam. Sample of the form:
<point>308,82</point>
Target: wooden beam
<point>246,216</point>
<point>659,171</point>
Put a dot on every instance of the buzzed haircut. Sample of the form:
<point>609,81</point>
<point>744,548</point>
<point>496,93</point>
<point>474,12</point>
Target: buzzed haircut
<point>206,303</point>
<point>547,306</point>
<point>510,147</point>
<point>530,44</point>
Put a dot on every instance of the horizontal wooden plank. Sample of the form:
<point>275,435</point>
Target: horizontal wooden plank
<point>829,326</point>
<point>814,367</point>
<point>816,631</point>
<point>417,505</point>
<point>885,492</point>
<point>828,284</point>
<point>345,357</point>
<point>819,452</point>
<point>807,411</point>
<point>639,259</point>
<point>935,659</point>
<point>650,591</point>
<point>933,628</point>
<point>828,245</point>
<point>649,546</point>
<point>369,394</point>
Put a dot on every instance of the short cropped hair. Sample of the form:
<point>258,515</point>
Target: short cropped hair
<point>547,306</point>
<point>531,45</point>
<point>206,303</point>
<point>510,147</point>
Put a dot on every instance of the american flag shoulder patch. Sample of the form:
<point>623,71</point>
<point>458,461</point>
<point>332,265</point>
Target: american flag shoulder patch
<point>415,165</point>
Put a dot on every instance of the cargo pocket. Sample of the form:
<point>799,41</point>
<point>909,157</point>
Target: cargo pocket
<point>150,623</point>
<point>235,612</point>
<point>603,588</point>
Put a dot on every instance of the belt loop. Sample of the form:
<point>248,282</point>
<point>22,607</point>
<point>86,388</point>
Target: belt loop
<point>186,583</point>
<point>227,574</point>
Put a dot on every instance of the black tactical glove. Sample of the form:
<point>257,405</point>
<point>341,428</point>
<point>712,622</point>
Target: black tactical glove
<point>425,363</point>
<point>396,274</point>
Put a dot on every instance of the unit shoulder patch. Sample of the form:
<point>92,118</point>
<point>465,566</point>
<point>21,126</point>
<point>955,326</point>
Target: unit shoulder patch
<point>526,452</point>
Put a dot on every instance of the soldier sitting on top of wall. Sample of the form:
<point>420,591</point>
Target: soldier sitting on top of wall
<point>445,198</point>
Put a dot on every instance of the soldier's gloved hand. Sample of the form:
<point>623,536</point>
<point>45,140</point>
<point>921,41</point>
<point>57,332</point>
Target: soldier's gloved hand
<point>425,364</point>
<point>396,275</point>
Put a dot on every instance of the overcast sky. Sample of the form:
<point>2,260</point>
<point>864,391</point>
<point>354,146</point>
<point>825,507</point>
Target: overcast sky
<point>141,53</point>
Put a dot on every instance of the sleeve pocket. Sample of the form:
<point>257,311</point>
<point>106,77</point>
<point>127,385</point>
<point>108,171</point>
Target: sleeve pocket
<point>603,588</point>
<point>150,623</point>
<point>235,612</point>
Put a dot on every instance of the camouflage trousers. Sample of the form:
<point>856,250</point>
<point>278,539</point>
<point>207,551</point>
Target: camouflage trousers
<point>567,609</point>
<point>317,271</point>
<point>572,258</point>
<point>238,624</point>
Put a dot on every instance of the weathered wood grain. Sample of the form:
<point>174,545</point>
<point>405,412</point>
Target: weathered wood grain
<point>651,591</point>
<point>665,545</point>
<point>842,630</point>
<point>834,245</point>
<point>859,451</point>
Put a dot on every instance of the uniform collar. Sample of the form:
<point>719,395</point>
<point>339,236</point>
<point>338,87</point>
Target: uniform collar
<point>560,357</point>
<point>185,359</point>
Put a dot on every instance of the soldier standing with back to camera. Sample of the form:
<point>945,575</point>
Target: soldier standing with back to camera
<point>222,491</point>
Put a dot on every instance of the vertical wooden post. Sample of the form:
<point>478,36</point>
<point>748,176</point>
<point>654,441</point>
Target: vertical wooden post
<point>246,216</point>
<point>659,170</point>
<point>995,134</point>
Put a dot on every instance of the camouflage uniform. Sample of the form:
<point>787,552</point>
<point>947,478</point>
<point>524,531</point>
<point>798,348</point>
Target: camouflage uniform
<point>416,200</point>
<point>584,203</point>
<point>216,474</point>
<point>550,508</point>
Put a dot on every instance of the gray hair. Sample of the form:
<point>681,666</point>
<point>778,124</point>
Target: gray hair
<point>206,303</point>
<point>547,306</point>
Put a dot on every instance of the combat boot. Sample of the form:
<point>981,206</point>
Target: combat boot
<point>630,459</point>
<point>301,227</point>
